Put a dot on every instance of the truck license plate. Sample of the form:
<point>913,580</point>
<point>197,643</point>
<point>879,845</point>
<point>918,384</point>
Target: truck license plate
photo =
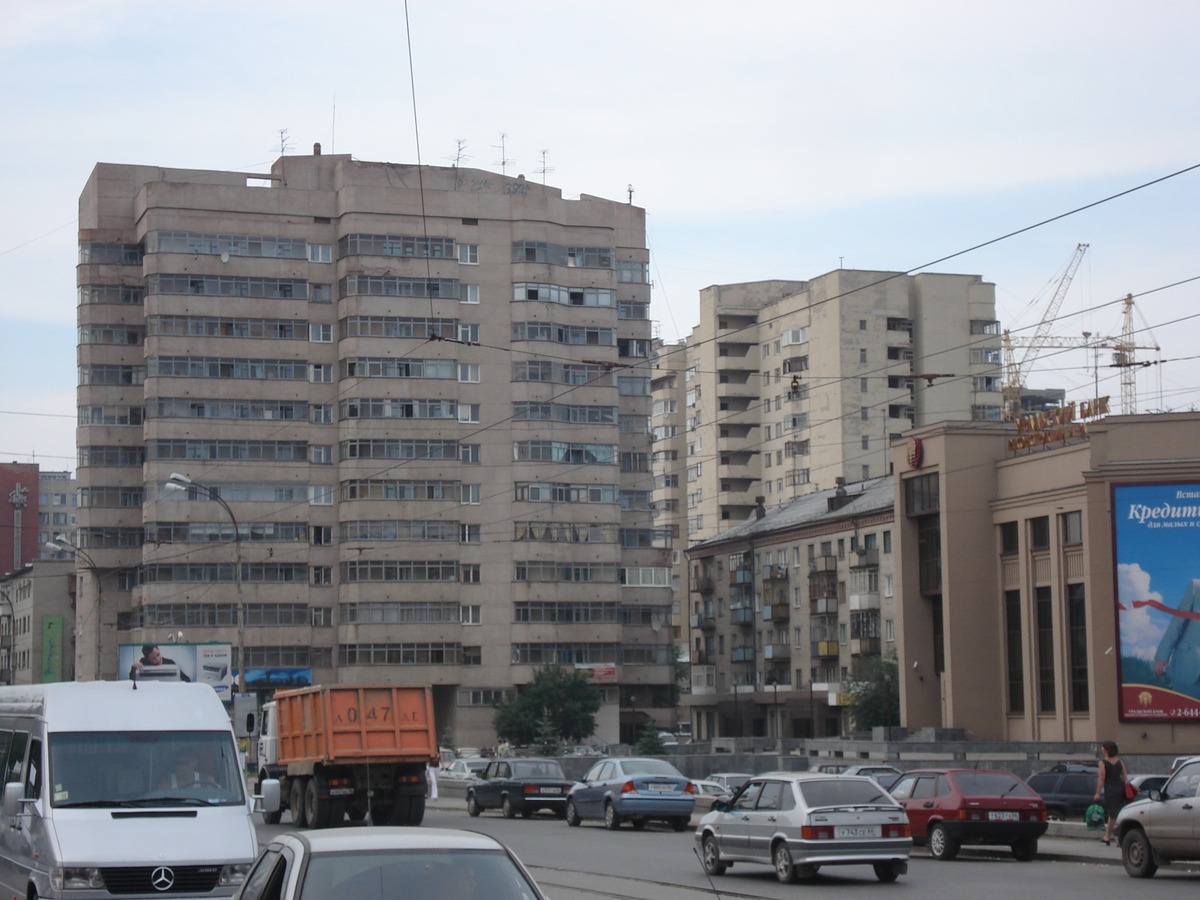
<point>857,831</point>
<point>340,792</point>
<point>1004,816</point>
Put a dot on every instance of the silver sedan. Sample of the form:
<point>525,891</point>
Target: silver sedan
<point>800,822</point>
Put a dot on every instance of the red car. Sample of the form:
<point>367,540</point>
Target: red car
<point>951,807</point>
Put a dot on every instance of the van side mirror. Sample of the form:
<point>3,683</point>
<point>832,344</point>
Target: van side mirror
<point>11,804</point>
<point>267,799</point>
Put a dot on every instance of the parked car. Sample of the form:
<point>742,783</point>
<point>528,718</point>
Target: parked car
<point>951,807</point>
<point>462,771</point>
<point>730,780</point>
<point>1068,790</point>
<point>520,786</point>
<point>885,775</point>
<point>637,789</point>
<point>1165,827</point>
<point>1176,763</point>
<point>798,822</point>
<point>1144,784</point>
<point>709,792</point>
<point>668,739</point>
<point>431,864</point>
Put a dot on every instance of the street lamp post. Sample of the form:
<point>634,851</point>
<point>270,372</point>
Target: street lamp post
<point>59,544</point>
<point>774,683</point>
<point>179,482</point>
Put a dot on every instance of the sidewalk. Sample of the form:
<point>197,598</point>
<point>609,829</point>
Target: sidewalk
<point>1063,841</point>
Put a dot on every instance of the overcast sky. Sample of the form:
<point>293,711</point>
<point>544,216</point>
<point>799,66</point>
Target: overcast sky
<point>764,139</point>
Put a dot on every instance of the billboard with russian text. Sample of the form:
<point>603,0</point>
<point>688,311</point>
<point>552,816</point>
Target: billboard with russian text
<point>1156,539</point>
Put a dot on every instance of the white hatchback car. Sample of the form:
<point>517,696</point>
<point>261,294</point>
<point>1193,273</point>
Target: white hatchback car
<point>800,822</point>
<point>1164,827</point>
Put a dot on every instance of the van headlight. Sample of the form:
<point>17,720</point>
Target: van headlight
<point>235,874</point>
<point>76,879</point>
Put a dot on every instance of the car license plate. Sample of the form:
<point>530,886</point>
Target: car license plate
<point>551,790</point>
<point>661,787</point>
<point>340,792</point>
<point>1004,816</point>
<point>857,831</point>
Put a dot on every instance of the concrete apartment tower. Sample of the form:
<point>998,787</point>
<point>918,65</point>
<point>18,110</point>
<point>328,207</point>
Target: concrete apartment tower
<point>785,387</point>
<point>423,395</point>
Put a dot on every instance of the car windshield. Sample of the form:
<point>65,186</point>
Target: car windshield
<point>537,768</point>
<point>649,767</point>
<point>415,875</point>
<point>843,792</point>
<point>144,768</point>
<point>991,784</point>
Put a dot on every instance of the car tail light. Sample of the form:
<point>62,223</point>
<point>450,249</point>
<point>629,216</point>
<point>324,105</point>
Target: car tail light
<point>816,832</point>
<point>690,789</point>
<point>628,788</point>
<point>1039,815</point>
<point>897,831</point>
<point>531,789</point>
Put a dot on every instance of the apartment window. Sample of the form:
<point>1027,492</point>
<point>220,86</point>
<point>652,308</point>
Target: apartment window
<point>862,324</point>
<point>470,573</point>
<point>468,412</point>
<point>1077,647</point>
<point>469,293</point>
<point>1039,533</point>
<point>1009,537</point>
<point>320,334</point>
<point>320,253</point>
<point>322,535</point>
<point>469,453</point>
<point>320,454</point>
<point>921,494</point>
<point>320,373</point>
<point>862,385</point>
<point>320,495</point>
<point>321,576</point>
<point>1044,611</point>
<point>321,414</point>
<point>1072,528</point>
<point>320,293</point>
<point>985,326</point>
<point>468,333</point>
<point>468,373</point>
<point>471,615</point>
<point>862,356</point>
<point>468,254</point>
<point>470,534</point>
<point>322,617</point>
<point>866,442</point>
<point>887,542</point>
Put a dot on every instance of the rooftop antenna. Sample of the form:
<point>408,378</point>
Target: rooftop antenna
<point>504,160</point>
<point>543,169</point>
<point>459,156</point>
<point>630,190</point>
<point>284,144</point>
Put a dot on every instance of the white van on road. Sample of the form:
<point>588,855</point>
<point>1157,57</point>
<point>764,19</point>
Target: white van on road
<point>112,790</point>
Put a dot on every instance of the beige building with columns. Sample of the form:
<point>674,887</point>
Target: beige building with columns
<point>1028,579</point>
<point>423,395</point>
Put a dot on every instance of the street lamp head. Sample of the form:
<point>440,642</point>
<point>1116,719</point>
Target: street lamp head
<point>178,482</point>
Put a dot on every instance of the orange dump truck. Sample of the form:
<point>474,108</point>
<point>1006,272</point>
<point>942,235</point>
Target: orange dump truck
<point>349,750</point>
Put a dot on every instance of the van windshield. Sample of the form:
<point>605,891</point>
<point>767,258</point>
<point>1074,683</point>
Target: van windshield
<point>144,768</point>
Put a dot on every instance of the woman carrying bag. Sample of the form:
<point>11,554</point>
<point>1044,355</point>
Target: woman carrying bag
<point>1113,788</point>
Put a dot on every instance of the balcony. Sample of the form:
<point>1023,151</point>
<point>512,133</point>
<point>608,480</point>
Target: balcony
<point>701,658</point>
<point>865,558</point>
<point>743,616</point>
<point>703,621</point>
<point>820,564</point>
<point>775,573</point>
<point>824,649</point>
<point>741,576</point>
<point>864,601</point>
<point>741,654</point>
<point>704,584</point>
<point>824,605</point>
<point>776,612</point>
<point>777,651</point>
<point>864,646</point>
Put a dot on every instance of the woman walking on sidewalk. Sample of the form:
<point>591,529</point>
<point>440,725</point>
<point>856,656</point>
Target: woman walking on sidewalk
<point>1110,789</point>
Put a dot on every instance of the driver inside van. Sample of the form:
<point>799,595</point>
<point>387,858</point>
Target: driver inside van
<point>184,771</point>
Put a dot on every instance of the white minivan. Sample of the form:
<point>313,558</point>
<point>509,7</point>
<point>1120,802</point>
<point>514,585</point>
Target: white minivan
<point>121,789</point>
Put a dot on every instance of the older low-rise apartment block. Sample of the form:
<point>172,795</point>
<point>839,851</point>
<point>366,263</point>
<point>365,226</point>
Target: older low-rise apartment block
<point>422,394</point>
<point>786,608</point>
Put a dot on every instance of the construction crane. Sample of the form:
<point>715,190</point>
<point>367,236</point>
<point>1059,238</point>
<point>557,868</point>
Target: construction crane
<point>1015,372</point>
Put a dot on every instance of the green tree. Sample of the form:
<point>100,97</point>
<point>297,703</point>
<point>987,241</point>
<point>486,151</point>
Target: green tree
<point>547,743</point>
<point>649,743</point>
<point>875,701</point>
<point>560,695</point>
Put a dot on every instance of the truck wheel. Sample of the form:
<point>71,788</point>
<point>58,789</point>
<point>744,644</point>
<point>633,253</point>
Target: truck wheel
<point>316,808</point>
<point>408,811</point>
<point>416,811</point>
<point>296,802</point>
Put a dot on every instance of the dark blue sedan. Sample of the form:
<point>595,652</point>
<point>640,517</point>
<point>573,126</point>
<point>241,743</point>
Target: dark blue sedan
<point>636,789</point>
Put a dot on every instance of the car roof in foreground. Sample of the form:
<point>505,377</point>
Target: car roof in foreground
<point>338,840</point>
<point>959,772</point>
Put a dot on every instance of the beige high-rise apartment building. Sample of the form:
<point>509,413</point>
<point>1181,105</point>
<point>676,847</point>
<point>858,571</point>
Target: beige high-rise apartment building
<point>421,394</point>
<point>788,386</point>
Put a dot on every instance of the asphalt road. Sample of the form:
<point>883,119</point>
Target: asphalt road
<point>591,863</point>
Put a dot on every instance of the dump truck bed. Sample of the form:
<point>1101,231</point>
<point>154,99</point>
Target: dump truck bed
<point>356,723</point>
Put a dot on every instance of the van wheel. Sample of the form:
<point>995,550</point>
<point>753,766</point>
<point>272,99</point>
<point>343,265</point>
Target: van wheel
<point>296,802</point>
<point>316,808</point>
